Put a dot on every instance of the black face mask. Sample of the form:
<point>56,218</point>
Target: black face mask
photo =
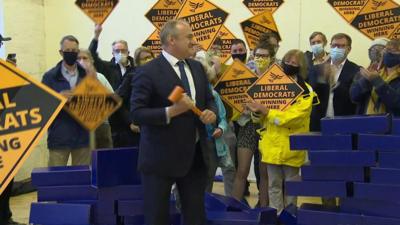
<point>290,70</point>
<point>70,58</point>
<point>241,57</point>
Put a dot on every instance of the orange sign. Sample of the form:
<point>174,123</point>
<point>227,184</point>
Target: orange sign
<point>275,89</point>
<point>257,25</point>
<point>226,37</point>
<point>205,19</point>
<point>97,10</point>
<point>233,85</point>
<point>27,109</point>
<point>92,103</point>
<point>163,11</point>
<point>373,18</point>
<point>153,43</point>
<point>259,6</point>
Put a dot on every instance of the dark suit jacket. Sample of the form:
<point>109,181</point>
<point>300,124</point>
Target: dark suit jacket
<point>167,149</point>
<point>342,103</point>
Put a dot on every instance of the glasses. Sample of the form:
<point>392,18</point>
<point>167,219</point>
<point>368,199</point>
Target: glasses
<point>121,51</point>
<point>338,45</point>
<point>257,55</point>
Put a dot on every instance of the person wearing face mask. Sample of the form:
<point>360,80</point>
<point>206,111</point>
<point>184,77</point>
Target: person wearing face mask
<point>318,54</point>
<point>272,39</point>
<point>377,90</point>
<point>375,52</point>
<point>282,163</point>
<point>66,136</point>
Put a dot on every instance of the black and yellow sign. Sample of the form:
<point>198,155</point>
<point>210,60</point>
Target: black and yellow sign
<point>97,10</point>
<point>27,109</point>
<point>227,37</point>
<point>163,11</point>
<point>153,42</point>
<point>259,6</point>
<point>257,25</point>
<point>205,19</point>
<point>275,89</point>
<point>373,18</point>
<point>233,85</point>
<point>92,103</point>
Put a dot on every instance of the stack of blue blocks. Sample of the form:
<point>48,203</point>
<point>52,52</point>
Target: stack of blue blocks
<point>355,159</point>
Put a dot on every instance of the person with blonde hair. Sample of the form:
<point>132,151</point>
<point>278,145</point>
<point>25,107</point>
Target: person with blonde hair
<point>142,56</point>
<point>277,126</point>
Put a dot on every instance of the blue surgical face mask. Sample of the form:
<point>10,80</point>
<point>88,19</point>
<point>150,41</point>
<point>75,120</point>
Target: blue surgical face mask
<point>391,60</point>
<point>337,54</point>
<point>317,49</point>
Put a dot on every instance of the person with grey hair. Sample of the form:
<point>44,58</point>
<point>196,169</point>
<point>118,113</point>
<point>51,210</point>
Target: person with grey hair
<point>173,138</point>
<point>116,71</point>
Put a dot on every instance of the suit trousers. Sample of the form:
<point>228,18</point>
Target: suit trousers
<point>191,188</point>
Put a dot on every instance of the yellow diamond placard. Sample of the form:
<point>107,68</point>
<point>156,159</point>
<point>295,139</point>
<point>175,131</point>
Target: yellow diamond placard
<point>275,89</point>
<point>153,42</point>
<point>257,25</point>
<point>348,9</point>
<point>97,10</point>
<point>378,18</point>
<point>163,11</point>
<point>92,103</point>
<point>259,6</point>
<point>27,108</point>
<point>205,19</point>
<point>233,85</point>
<point>227,37</point>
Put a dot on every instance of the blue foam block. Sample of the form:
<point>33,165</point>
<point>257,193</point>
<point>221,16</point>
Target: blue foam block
<point>379,142</point>
<point>370,207</point>
<point>389,160</point>
<point>60,214</point>
<point>135,207</point>
<point>356,124</point>
<point>316,188</point>
<point>112,167</point>
<point>312,214</point>
<point>371,220</point>
<point>266,215</point>
<point>385,176</point>
<point>332,173</point>
<point>175,219</point>
<point>289,215</point>
<point>228,218</point>
<point>317,141</point>
<point>382,192</point>
<point>106,219</point>
<point>61,176</point>
<point>396,126</point>
<point>342,158</point>
<point>216,202</point>
<point>122,192</point>
<point>98,207</point>
<point>65,193</point>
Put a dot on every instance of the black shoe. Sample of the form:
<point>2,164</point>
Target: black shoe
<point>12,222</point>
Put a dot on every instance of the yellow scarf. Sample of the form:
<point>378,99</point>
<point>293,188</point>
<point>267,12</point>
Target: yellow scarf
<point>375,106</point>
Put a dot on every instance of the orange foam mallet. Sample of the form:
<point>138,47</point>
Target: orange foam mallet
<point>177,94</point>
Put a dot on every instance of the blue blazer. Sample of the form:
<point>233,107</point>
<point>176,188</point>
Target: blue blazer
<point>167,149</point>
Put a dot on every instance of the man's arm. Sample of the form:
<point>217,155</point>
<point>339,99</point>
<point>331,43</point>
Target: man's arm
<point>100,65</point>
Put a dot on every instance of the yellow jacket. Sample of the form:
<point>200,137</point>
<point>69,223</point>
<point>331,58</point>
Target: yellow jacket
<point>278,125</point>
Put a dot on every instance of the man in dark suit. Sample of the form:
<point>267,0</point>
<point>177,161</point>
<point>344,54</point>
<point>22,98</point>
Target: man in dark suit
<point>332,81</point>
<point>173,138</point>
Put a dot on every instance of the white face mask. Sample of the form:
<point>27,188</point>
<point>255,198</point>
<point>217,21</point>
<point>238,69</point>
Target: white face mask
<point>317,49</point>
<point>121,58</point>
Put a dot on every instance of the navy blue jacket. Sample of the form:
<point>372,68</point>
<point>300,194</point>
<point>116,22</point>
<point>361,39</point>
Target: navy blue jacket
<point>167,149</point>
<point>388,94</point>
<point>64,132</point>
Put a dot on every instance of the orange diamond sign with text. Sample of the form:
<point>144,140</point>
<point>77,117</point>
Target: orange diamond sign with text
<point>92,103</point>
<point>257,25</point>
<point>153,42</point>
<point>27,109</point>
<point>259,6</point>
<point>163,11</point>
<point>233,85</point>
<point>226,37</point>
<point>373,18</point>
<point>205,19</point>
<point>97,10</point>
<point>275,89</point>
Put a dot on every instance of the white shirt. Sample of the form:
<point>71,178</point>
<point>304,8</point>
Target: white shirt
<point>103,80</point>
<point>72,78</point>
<point>336,70</point>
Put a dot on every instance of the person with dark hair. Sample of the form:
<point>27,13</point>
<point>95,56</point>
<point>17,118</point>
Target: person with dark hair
<point>377,89</point>
<point>66,136</point>
<point>318,54</point>
<point>239,50</point>
<point>270,38</point>
<point>173,138</point>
